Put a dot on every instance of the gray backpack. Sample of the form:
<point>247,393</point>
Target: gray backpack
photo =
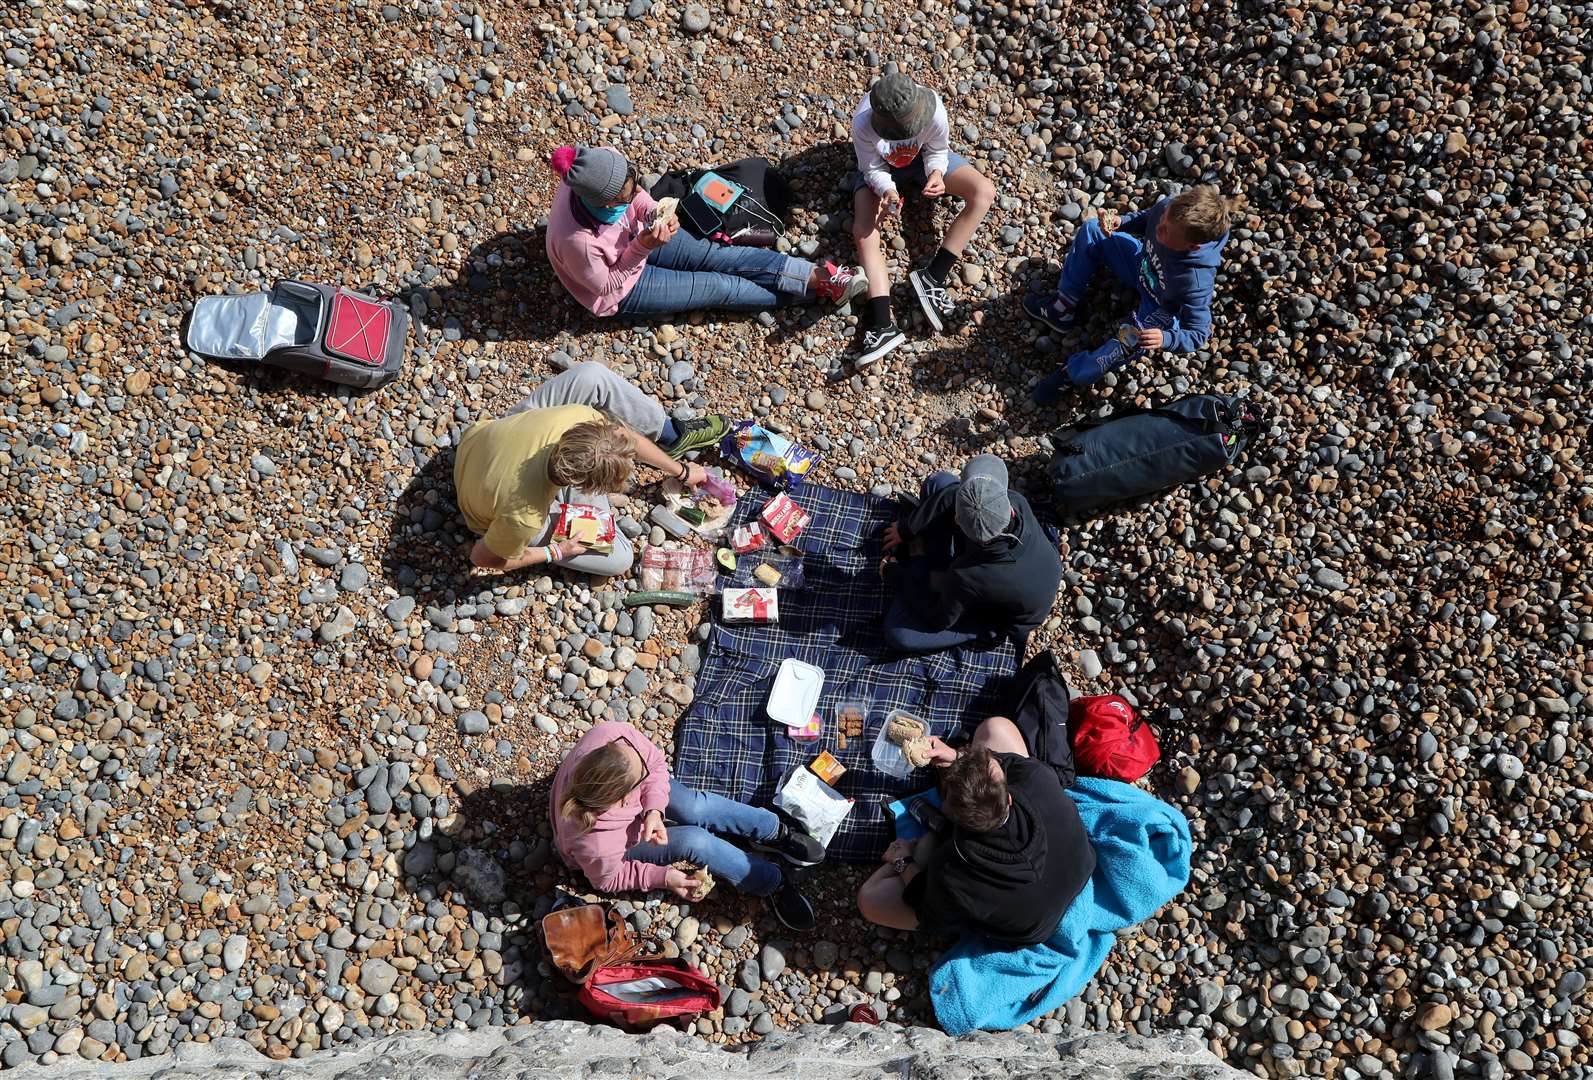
<point>1138,452</point>
<point>336,334</point>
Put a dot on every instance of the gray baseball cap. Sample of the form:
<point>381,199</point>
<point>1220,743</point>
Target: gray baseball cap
<point>901,107</point>
<point>983,510</point>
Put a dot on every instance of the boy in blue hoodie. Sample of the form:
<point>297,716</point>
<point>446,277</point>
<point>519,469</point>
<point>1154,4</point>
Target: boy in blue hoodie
<point>1168,252</point>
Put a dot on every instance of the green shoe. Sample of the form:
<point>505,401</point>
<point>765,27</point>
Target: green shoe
<point>696,434</point>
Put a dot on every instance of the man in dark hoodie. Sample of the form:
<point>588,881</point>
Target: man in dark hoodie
<point>1014,858</point>
<point>1169,253</point>
<point>969,563</point>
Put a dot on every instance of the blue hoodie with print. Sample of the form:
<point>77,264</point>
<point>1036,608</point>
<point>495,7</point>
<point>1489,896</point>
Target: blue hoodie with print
<point>1174,285</point>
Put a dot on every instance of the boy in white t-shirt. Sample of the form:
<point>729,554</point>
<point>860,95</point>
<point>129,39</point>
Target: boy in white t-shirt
<point>902,138</point>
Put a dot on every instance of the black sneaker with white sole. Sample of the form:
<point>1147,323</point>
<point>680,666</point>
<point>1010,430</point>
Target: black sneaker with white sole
<point>793,845</point>
<point>933,298</point>
<point>793,909</point>
<point>877,342</point>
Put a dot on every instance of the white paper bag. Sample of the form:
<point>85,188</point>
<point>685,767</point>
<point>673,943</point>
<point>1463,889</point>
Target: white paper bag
<point>816,805</point>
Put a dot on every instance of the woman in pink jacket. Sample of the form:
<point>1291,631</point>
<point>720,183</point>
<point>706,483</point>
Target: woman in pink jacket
<point>611,798</point>
<point>615,259</point>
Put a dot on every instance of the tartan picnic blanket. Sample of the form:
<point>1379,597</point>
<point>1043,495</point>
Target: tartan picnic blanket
<point>726,744</point>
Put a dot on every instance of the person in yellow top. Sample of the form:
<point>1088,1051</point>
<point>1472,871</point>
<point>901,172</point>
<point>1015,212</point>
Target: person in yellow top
<point>576,439</point>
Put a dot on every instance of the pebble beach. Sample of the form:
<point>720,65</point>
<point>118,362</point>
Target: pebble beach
<point>274,761</point>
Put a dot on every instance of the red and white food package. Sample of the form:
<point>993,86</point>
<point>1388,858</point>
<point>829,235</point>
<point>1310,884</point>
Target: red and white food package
<point>785,518</point>
<point>591,525</point>
<point>751,605</point>
<point>747,538</point>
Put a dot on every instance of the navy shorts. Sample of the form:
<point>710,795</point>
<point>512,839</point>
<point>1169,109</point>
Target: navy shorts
<point>910,179</point>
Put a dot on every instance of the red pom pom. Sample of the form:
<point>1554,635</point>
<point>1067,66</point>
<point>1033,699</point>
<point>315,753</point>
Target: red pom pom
<point>562,159</point>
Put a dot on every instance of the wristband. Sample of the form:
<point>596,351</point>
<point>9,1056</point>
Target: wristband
<point>552,553</point>
<point>685,472</point>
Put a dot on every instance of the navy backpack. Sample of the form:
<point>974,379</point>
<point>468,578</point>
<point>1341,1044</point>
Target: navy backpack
<point>1138,452</point>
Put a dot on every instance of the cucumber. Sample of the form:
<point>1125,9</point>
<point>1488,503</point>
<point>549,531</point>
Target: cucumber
<point>692,515</point>
<point>673,599</point>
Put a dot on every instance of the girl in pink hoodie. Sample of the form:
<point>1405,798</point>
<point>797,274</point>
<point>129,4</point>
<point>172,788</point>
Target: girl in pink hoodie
<point>615,259</point>
<point>612,797</point>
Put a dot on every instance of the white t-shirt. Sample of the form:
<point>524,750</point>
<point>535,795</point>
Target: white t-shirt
<point>876,156</point>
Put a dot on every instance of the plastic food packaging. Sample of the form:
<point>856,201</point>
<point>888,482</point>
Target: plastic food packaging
<point>772,458</point>
<point>747,538</point>
<point>795,693</point>
<point>808,731</point>
<point>851,716</point>
<point>591,525</point>
<point>678,570</point>
<point>817,807</point>
<point>888,756</point>
<point>751,605</point>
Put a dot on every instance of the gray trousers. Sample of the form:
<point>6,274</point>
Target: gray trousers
<point>595,385</point>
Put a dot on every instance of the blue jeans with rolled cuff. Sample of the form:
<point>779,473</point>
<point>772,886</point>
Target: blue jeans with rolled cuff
<point>694,817</point>
<point>690,274</point>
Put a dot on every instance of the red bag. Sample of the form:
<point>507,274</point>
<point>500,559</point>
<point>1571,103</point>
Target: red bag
<point>1109,739</point>
<point>640,993</point>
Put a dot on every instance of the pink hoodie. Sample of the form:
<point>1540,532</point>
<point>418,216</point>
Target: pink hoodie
<point>600,851</point>
<point>599,266</point>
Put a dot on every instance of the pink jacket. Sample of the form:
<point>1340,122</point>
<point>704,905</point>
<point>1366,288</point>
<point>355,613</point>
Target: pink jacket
<point>600,851</point>
<point>599,266</point>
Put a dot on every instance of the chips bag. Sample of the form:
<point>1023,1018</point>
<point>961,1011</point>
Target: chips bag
<point>773,459</point>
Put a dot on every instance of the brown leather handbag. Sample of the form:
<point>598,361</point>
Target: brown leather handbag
<point>580,940</point>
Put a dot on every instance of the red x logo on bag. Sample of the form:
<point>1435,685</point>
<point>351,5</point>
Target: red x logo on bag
<point>358,329</point>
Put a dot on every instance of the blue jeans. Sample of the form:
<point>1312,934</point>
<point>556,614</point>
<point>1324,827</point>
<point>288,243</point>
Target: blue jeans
<point>688,274</point>
<point>1120,253</point>
<point>692,814</point>
<point>902,634</point>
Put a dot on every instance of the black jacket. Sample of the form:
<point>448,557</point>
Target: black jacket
<point>1005,586</point>
<point>1014,883</point>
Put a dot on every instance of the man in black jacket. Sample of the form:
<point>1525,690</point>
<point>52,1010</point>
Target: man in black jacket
<point>1015,857</point>
<point>969,563</point>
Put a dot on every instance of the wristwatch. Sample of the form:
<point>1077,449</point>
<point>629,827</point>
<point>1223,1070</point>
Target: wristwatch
<point>900,865</point>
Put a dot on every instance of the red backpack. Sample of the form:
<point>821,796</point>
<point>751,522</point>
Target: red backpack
<point>591,945</point>
<point>640,993</point>
<point>1109,739</point>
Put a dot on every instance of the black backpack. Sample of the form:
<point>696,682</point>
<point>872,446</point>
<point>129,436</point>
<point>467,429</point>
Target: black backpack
<point>1039,708</point>
<point>1139,452</point>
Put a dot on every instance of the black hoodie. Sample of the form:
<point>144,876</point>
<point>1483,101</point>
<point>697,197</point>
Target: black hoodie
<point>1014,883</point>
<point>1005,586</point>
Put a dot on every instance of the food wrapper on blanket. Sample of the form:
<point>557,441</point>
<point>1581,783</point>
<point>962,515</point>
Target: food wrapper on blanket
<point>591,525</point>
<point>773,459</point>
<point>816,806</point>
<point>751,605</point>
<point>785,518</point>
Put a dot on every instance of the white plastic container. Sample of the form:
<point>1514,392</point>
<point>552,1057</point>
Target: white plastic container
<point>796,692</point>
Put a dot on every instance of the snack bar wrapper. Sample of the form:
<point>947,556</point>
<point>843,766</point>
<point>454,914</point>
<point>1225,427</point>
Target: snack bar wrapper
<point>785,518</point>
<point>772,458</point>
<point>591,525</point>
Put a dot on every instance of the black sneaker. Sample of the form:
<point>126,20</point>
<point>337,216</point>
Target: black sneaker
<point>793,909</point>
<point>793,845</point>
<point>696,434</point>
<point>933,298</point>
<point>877,342</point>
<point>1051,311</point>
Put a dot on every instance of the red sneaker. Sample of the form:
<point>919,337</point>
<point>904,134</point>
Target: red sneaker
<point>841,284</point>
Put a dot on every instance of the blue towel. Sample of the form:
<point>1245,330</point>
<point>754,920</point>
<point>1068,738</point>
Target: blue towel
<point>1142,862</point>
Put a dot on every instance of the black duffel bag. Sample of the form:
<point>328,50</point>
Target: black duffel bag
<point>1138,452</point>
